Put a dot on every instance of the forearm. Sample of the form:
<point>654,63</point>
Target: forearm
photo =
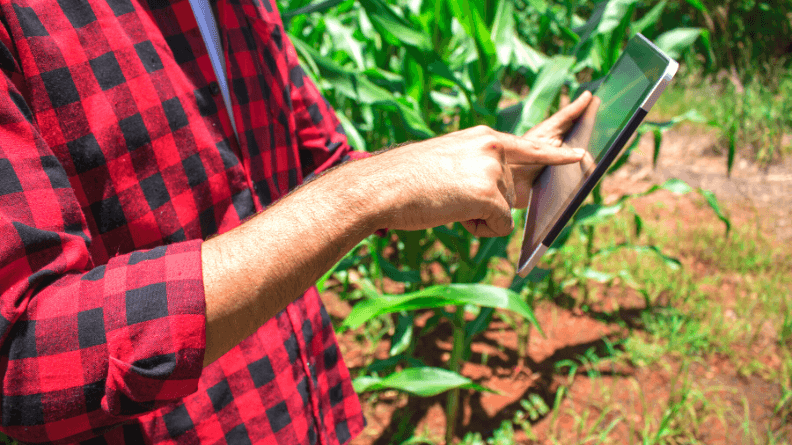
<point>254,271</point>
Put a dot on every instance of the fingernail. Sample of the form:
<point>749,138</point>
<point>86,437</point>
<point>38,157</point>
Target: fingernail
<point>579,151</point>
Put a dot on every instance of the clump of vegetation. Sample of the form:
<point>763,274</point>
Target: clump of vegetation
<point>399,70</point>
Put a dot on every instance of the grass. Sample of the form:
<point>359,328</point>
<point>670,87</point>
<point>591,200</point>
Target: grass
<point>756,118</point>
<point>729,305</point>
<point>731,301</point>
<point>709,360</point>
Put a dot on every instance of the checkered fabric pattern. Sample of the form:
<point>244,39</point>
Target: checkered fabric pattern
<point>117,158</point>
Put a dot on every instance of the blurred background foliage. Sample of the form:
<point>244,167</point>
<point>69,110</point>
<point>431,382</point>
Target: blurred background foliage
<point>401,70</point>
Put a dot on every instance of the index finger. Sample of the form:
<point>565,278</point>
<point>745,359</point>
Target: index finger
<point>530,151</point>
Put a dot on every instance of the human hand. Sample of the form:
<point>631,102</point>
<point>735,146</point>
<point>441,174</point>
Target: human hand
<point>463,176</point>
<point>550,132</point>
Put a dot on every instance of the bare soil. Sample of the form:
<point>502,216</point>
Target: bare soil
<point>628,398</point>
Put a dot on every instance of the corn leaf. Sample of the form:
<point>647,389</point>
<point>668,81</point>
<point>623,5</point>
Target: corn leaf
<point>394,28</point>
<point>544,92</point>
<point>344,40</point>
<point>676,41</point>
<point>401,276</point>
<point>403,334</point>
<point>698,5</point>
<point>422,381</point>
<point>595,275</point>
<point>591,214</point>
<point>670,262</point>
<point>359,88</point>
<point>713,203</point>
<point>614,13</point>
<point>353,136</point>
<point>502,30</point>
<point>469,16</point>
<point>649,19</point>
<point>315,7</point>
<point>525,56</point>
<point>440,296</point>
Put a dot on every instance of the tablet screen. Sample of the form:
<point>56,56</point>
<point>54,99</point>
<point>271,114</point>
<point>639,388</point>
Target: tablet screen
<point>617,100</point>
<point>614,103</point>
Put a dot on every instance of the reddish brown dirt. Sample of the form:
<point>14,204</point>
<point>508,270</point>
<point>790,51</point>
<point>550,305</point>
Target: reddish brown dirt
<point>629,400</point>
<point>634,398</point>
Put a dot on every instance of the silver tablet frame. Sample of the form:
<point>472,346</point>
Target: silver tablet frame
<point>530,257</point>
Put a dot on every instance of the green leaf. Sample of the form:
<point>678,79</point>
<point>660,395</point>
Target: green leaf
<point>600,277</point>
<point>344,263</point>
<point>616,36</point>
<point>658,140</point>
<point>698,5</point>
<point>353,136</point>
<point>394,28</point>
<point>357,87</point>
<point>713,203</point>
<point>440,296</point>
<point>393,272</point>
<point>562,237</point>
<point>344,40</point>
<point>676,186</point>
<point>669,261</point>
<point>469,16</point>
<point>649,19</point>
<point>625,156</point>
<point>365,383</point>
<point>615,12</point>
<point>526,56</point>
<point>478,325</point>
<point>316,7</point>
<point>691,115</point>
<point>502,31</point>
<point>423,382</point>
<point>732,134</point>
<point>676,41</point>
<point>673,185</point>
<point>489,248</point>
<point>403,334</point>
<point>453,241</point>
<point>537,275</point>
<point>544,92</point>
<point>605,18</point>
<point>449,101</point>
<point>638,222</point>
<point>591,214</point>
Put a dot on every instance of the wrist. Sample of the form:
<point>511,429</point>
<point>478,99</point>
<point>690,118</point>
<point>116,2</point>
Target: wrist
<point>362,192</point>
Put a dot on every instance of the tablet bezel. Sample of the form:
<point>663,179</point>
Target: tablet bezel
<point>529,258</point>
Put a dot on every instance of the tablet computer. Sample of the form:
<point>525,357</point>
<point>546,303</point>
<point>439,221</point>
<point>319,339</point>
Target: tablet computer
<point>620,103</point>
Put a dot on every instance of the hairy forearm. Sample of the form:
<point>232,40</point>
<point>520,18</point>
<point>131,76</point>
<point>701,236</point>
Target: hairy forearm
<point>255,270</point>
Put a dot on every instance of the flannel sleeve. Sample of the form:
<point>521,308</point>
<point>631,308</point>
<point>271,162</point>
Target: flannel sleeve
<point>83,347</point>
<point>323,142</point>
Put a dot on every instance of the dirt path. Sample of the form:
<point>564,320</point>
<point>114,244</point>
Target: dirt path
<point>688,153</point>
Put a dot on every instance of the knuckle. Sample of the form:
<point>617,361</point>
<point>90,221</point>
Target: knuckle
<point>482,130</point>
<point>487,137</point>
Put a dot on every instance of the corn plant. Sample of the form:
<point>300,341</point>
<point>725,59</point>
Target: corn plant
<point>397,70</point>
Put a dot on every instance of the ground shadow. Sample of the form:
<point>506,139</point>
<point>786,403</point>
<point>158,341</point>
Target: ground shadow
<point>433,349</point>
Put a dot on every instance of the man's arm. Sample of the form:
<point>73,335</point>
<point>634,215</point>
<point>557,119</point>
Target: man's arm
<point>254,271</point>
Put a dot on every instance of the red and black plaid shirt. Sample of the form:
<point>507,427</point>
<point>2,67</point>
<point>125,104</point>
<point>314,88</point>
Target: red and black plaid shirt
<point>117,158</point>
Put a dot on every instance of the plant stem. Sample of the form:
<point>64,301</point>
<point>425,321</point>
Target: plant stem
<point>524,337</point>
<point>454,365</point>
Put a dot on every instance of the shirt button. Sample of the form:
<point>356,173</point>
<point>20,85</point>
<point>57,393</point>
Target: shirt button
<point>214,88</point>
